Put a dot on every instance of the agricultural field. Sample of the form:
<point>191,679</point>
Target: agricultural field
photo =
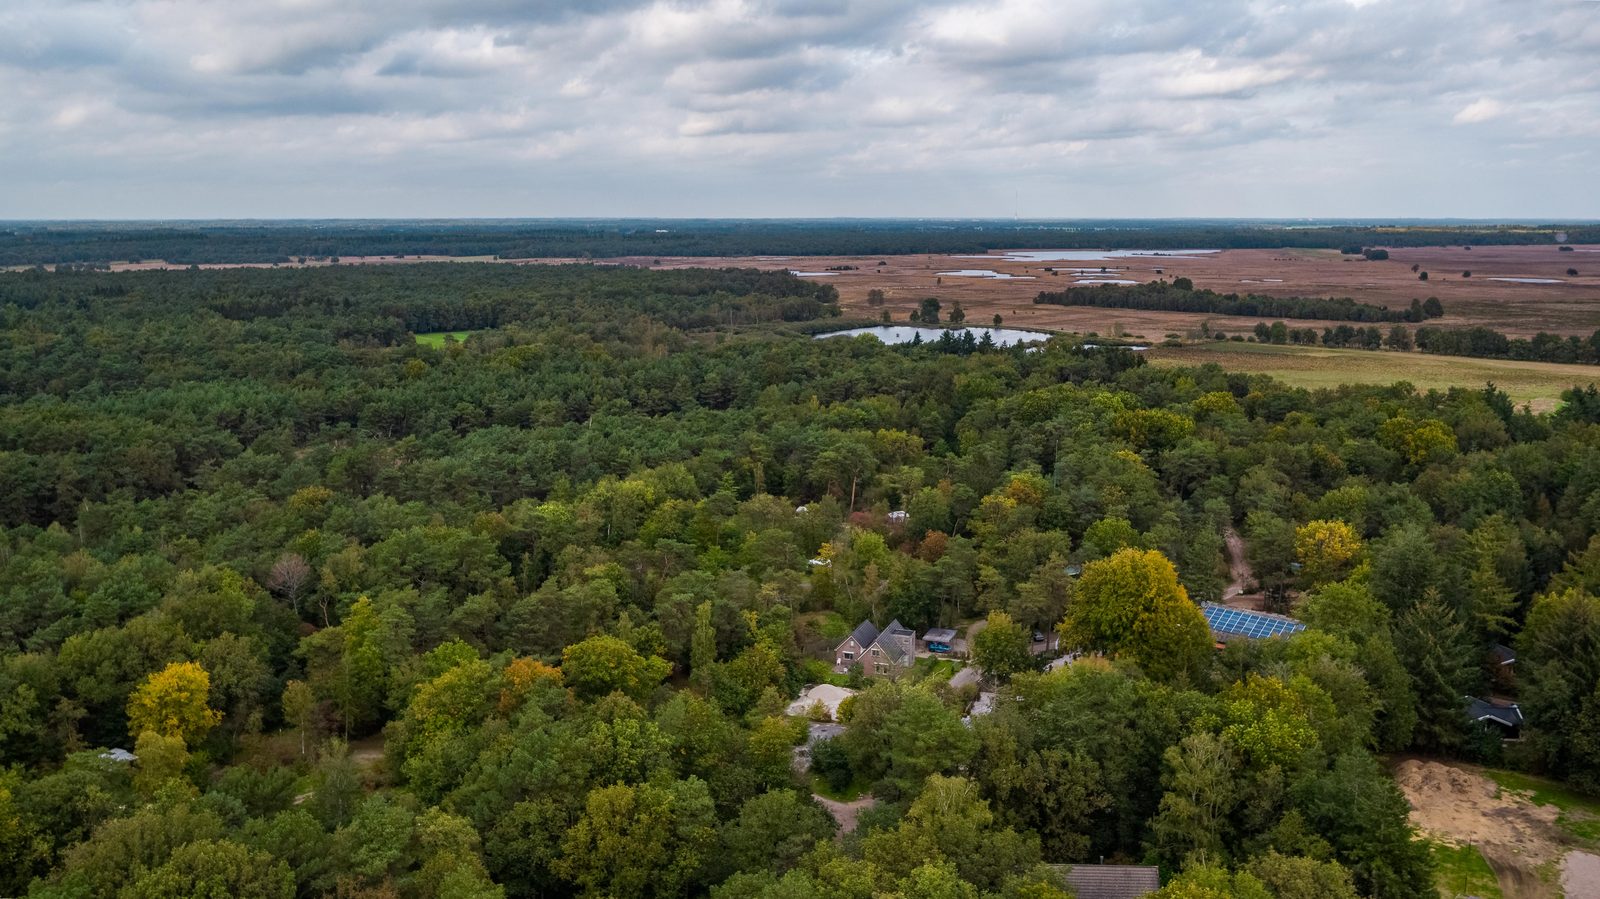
<point>1535,384</point>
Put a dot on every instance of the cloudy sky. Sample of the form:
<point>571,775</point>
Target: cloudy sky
<point>312,108</point>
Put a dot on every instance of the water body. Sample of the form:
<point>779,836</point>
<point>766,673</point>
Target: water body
<point>987,273</point>
<point>897,334</point>
<point>1530,280</point>
<point>1086,255</point>
<point>1104,281</point>
<point>1119,346</point>
<point>812,274</point>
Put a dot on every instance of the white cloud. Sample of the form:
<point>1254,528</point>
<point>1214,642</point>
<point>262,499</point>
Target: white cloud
<point>1481,110</point>
<point>774,107</point>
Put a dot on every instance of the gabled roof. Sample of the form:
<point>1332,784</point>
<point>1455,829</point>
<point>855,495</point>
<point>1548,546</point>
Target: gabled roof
<point>894,651</point>
<point>1505,714</point>
<point>897,651</point>
<point>1111,881</point>
<point>864,634</point>
<point>1503,654</point>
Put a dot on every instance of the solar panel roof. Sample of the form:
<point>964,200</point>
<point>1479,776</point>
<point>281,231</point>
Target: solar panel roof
<point>1245,623</point>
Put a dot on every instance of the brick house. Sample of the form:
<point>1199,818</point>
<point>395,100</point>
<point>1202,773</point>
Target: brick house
<point>884,652</point>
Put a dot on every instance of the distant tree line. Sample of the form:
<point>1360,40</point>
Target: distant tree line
<point>45,243</point>
<point>1491,344</point>
<point>1179,296</point>
<point>1480,342</point>
<point>1375,254</point>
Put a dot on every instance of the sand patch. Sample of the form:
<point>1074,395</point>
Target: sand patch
<point>1460,807</point>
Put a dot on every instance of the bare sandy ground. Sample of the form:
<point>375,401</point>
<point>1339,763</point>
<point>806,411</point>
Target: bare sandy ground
<point>1462,807</point>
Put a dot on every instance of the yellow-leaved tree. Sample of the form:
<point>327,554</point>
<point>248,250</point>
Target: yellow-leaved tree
<point>1327,549</point>
<point>173,703</point>
<point>1130,604</point>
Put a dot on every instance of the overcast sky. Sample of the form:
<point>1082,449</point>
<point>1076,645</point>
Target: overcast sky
<point>352,108</point>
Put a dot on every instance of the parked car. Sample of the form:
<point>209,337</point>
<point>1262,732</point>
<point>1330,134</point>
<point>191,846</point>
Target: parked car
<point>1038,636</point>
<point>938,647</point>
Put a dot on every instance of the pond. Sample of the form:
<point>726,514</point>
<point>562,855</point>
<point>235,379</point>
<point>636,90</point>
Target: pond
<point>1104,281</point>
<point>987,273</point>
<point>896,334</point>
<point>799,274</point>
<point>1530,280</point>
<point>1085,255</point>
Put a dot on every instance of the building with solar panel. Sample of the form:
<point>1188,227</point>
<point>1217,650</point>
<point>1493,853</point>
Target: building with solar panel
<point>1233,624</point>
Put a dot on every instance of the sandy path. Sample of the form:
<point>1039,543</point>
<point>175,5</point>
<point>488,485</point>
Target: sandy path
<point>1242,576</point>
<point>846,813</point>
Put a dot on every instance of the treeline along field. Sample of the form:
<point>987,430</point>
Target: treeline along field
<point>565,577</point>
<point>1180,296</point>
<point>50,243</point>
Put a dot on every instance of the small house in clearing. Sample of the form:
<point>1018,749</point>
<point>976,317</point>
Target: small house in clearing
<point>1506,716</point>
<point>888,651</point>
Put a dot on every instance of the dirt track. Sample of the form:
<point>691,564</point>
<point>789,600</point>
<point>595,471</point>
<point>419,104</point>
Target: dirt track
<point>845,813</point>
<point>1241,577</point>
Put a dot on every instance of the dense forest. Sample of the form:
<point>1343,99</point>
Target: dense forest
<point>293,605</point>
<point>1179,295</point>
<point>26,243</point>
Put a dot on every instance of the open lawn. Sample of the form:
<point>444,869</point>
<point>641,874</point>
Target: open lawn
<point>1461,871</point>
<point>1580,814</point>
<point>436,338</point>
<point>932,667</point>
<point>857,789</point>
<point>1537,384</point>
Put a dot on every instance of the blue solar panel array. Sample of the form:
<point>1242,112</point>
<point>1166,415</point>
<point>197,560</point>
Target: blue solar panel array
<point>1245,623</point>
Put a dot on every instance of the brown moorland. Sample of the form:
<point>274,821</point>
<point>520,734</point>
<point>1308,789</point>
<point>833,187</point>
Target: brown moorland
<point>1569,305</point>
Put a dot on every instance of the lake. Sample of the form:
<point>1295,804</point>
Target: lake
<point>1104,281</point>
<point>1085,255</point>
<point>812,274</point>
<point>896,334</point>
<point>1530,280</point>
<point>987,273</point>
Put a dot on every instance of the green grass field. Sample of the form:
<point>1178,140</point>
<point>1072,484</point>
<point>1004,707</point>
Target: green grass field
<point>858,788</point>
<point>929,667</point>
<point>1537,384</point>
<point>1461,872</point>
<point>1580,814</point>
<point>436,338</point>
